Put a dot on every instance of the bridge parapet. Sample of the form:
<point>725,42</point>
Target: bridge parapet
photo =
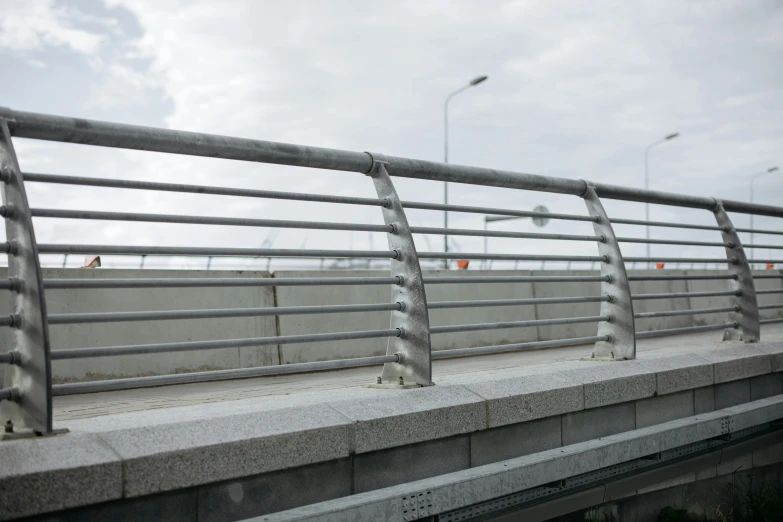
<point>242,458</point>
<point>410,351</point>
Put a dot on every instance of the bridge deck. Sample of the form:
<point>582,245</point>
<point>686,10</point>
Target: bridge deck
<point>107,403</point>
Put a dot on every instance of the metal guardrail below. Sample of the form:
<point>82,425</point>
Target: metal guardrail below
<point>27,398</point>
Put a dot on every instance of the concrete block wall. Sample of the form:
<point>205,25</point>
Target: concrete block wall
<point>249,453</point>
<point>114,334</point>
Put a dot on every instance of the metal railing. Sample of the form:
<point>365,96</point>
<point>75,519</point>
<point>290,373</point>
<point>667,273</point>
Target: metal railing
<point>28,396</point>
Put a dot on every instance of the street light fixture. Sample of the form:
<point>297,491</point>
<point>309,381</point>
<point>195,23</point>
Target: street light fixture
<point>647,184</point>
<point>472,83</point>
<point>752,179</point>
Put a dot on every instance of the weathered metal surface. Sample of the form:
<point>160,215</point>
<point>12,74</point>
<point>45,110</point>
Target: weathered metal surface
<point>747,313</point>
<point>621,329</point>
<point>413,319</point>
<point>31,376</point>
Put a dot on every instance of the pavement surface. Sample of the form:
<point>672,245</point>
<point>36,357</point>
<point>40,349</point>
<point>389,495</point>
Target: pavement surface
<point>108,403</point>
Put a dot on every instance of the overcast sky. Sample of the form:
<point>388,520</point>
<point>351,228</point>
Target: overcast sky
<point>576,90</point>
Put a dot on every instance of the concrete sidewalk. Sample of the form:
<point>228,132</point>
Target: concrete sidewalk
<point>108,403</point>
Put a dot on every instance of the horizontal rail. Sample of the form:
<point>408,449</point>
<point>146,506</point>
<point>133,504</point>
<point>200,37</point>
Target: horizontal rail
<point>495,233</point>
<point>767,276</point>
<point>685,277</point>
<point>666,224</point>
<point>8,284</point>
<point>109,351</point>
<point>754,231</point>
<point>511,257</point>
<point>771,321</point>
<point>105,134</point>
<point>10,358</point>
<point>774,291</point>
<point>673,242</point>
<point>515,302</point>
<point>417,205</point>
<point>51,248</point>
<point>777,247</point>
<point>684,330</point>
<point>513,279</point>
<point>7,320</point>
<point>5,247</point>
<point>770,307</point>
<point>218,375</point>
<point>732,260</point>
<point>694,311</point>
<point>7,394</point>
<point>199,189</point>
<point>195,282</point>
<point>205,220</point>
<point>90,132</point>
<point>515,324</point>
<point>674,295</point>
<point>516,347</point>
<point>221,313</point>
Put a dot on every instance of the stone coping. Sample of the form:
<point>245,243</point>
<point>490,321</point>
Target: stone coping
<point>141,453</point>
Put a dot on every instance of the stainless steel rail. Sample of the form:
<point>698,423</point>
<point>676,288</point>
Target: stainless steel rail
<point>136,349</point>
<point>208,251</point>
<point>207,282</point>
<point>168,315</point>
<point>198,189</point>
<point>27,396</point>
<point>516,324</point>
<point>680,295</point>
<point>205,220</point>
<point>685,330</point>
<point>515,302</point>
<point>694,311</point>
<point>218,375</point>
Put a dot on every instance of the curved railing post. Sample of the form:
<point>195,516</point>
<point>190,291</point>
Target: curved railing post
<point>29,377</point>
<point>621,330</point>
<point>746,306</point>
<point>412,320</point>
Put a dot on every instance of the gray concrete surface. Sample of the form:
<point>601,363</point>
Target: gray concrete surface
<point>166,449</point>
<point>206,398</point>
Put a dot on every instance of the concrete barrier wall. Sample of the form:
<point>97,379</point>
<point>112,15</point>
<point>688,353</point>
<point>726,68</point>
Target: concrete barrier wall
<point>114,334</point>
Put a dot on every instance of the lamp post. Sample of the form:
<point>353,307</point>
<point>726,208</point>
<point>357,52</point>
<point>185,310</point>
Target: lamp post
<point>472,83</point>
<point>752,179</point>
<point>647,184</point>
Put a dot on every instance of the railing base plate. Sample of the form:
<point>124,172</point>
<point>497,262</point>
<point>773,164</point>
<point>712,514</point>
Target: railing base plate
<point>393,386</point>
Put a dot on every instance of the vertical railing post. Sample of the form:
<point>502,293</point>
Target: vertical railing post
<point>412,320</point>
<point>30,375</point>
<point>745,303</point>
<point>620,329</point>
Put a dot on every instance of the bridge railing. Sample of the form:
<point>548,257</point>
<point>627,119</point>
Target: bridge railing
<point>408,360</point>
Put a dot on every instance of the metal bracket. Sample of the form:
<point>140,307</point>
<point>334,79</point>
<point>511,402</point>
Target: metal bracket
<point>413,344</point>
<point>621,329</point>
<point>747,314</point>
<point>31,375</point>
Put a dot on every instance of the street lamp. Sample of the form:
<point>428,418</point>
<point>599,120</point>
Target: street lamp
<point>472,83</point>
<point>647,185</point>
<point>752,179</point>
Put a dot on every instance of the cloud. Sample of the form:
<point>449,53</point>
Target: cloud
<point>120,86</point>
<point>35,24</point>
<point>575,91</point>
